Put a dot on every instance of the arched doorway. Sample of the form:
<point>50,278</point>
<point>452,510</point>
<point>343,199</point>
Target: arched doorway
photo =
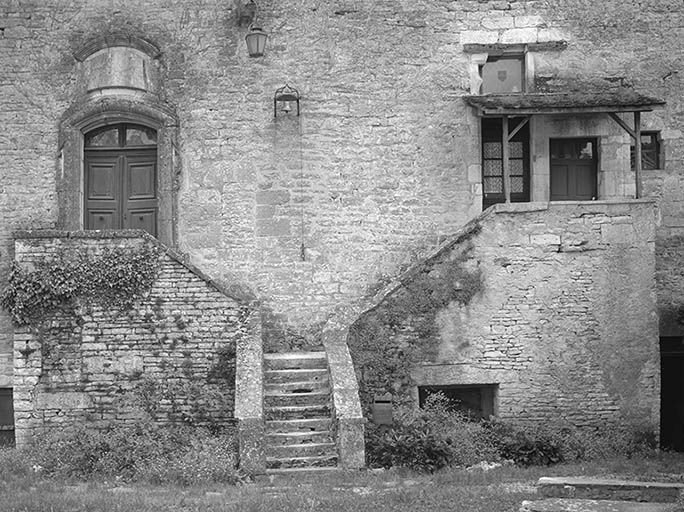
<point>120,178</point>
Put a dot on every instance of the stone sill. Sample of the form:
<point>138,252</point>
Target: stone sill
<point>545,205</point>
<point>94,234</point>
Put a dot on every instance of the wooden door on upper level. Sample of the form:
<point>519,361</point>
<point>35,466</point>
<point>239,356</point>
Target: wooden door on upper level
<point>573,169</point>
<point>121,179</point>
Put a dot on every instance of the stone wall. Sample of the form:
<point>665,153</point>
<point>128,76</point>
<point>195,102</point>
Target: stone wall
<point>382,164</point>
<point>169,358</point>
<point>554,303</point>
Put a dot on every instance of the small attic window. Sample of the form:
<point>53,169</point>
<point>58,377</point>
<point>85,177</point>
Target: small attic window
<point>503,74</point>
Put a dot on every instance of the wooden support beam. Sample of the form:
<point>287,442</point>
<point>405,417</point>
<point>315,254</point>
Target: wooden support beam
<point>624,125</point>
<point>637,153</point>
<point>636,137</point>
<point>506,166</point>
<point>518,128</point>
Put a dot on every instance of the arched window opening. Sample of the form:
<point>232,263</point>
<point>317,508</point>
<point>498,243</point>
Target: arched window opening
<point>120,178</point>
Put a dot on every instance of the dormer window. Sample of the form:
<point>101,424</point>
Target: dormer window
<point>503,74</point>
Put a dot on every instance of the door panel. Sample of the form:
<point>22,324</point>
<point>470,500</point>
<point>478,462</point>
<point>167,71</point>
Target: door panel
<point>141,181</point>
<point>102,180</point>
<point>121,189</point>
<point>140,199</point>
<point>141,219</point>
<point>559,181</point>
<point>102,219</point>
<point>573,169</point>
<point>103,188</point>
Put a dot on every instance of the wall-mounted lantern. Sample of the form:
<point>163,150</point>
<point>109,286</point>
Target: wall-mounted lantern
<point>283,100</point>
<point>256,41</point>
<point>256,37</point>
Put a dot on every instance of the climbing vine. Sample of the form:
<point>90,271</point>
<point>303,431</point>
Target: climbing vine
<point>388,340</point>
<point>113,277</point>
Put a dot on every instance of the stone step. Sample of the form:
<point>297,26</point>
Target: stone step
<point>308,425</point>
<point>295,360</point>
<point>296,375</point>
<point>599,489</point>
<point>579,505</point>
<point>317,398</point>
<point>301,462</point>
<point>296,386</point>
<point>302,450</point>
<point>296,437</point>
<point>299,471</point>
<point>294,412</point>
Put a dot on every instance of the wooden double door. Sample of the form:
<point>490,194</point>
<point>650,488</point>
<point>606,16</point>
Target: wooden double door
<point>121,182</point>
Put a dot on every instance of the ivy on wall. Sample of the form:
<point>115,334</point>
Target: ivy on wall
<point>402,331</point>
<point>114,277</point>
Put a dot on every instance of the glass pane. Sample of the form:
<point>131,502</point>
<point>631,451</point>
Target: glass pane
<point>516,185</point>
<point>515,149</point>
<point>586,151</point>
<point>502,75</point>
<point>108,137</point>
<point>515,167</point>
<point>492,168</point>
<point>493,185</point>
<point>491,150</point>
<point>141,136</point>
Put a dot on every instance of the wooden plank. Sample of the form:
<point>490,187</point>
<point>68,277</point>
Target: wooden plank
<point>499,111</point>
<point>624,125</point>
<point>518,128</point>
<point>506,163</point>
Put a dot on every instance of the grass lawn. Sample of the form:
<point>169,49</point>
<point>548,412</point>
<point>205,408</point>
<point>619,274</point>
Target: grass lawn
<point>498,490</point>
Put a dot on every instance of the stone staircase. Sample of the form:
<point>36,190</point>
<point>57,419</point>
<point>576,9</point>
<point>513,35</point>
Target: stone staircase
<point>593,495</point>
<point>298,413</point>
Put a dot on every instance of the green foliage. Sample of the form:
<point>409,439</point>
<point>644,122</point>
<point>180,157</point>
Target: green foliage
<point>139,452</point>
<point>436,436</point>
<point>114,277</point>
<point>415,447</point>
<point>402,331</point>
<point>527,446</point>
<point>429,439</point>
<point>192,402</point>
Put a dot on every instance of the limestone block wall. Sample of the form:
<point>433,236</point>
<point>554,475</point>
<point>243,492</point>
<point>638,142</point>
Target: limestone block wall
<point>169,358</point>
<point>552,303</point>
<point>384,161</point>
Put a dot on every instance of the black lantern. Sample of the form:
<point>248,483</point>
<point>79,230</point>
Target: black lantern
<point>284,98</point>
<point>256,41</point>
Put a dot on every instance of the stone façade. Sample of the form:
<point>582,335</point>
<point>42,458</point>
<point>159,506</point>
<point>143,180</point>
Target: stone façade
<point>311,214</point>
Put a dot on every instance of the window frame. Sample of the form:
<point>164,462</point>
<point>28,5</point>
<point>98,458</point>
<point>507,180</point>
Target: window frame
<point>489,396</point>
<point>656,152</point>
<point>519,56</point>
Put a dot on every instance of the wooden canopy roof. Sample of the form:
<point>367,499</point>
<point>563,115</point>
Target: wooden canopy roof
<point>516,104</point>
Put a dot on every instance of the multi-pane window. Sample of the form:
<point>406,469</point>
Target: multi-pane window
<point>6,417</point>
<point>492,163</point>
<point>650,151</point>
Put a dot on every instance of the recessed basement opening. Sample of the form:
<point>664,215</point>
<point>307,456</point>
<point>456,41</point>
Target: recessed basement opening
<point>477,400</point>
<point>6,417</point>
